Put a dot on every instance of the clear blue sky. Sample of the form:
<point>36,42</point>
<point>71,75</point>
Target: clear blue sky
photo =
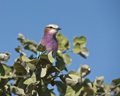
<point>97,20</point>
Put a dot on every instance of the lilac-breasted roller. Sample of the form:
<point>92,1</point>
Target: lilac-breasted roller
<point>49,39</point>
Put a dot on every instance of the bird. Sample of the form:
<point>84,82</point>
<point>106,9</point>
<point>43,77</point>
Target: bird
<point>49,40</point>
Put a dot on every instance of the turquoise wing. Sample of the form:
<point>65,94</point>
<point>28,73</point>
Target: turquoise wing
<point>38,53</point>
<point>54,54</point>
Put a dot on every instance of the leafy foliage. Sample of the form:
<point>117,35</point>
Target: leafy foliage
<point>32,76</point>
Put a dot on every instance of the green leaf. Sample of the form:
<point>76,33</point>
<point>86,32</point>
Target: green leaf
<point>81,40</point>
<point>41,48</point>
<point>71,78</point>
<point>20,83</point>
<point>5,71</point>
<point>77,48</point>
<point>74,91</point>
<point>3,82</point>
<point>50,57</point>
<point>52,94</point>
<point>82,55</point>
<point>30,88</point>
<point>20,36</point>
<point>34,93</point>
<point>63,43</point>
<point>52,69</point>
<point>114,83</point>
<point>106,87</point>
<point>44,56</point>
<point>34,61</point>
<point>99,81</point>
<point>18,49</point>
<point>30,42</point>
<point>31,80</point>
<point>31,48</point>
<point>74,73</point>
<point>88,87</point>
<point>60,64</point>
<point>84,70</point>
<point>25,59</point>
<point>2,70</point>
<point>61,87</point>
<point>67,59</point>
<point>20,66</point>
<point>46,92</point>
<point>43,72</point>
<point>16,90</point>
<point>31,66</point>
<point>4,57</point>
<point>84,51</point>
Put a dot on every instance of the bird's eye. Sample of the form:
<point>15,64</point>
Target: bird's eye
<point>50,27</point>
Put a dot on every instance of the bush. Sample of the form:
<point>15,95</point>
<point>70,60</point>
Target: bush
<point>31,76</point>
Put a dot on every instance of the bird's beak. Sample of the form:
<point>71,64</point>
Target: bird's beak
<point>58,28</point>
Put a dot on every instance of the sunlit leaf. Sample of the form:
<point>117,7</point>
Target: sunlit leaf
<point>99,80</point>
<point>20,36</point>
<point>31,66</point>
<point>43,72</point>
<point>34,93</point>
<point>30,80</point>
<point>4,57</point>
<point>77,48</point>
<point>34,61</point>
<point>106,86</point>
<point>63,42</point>
<point>25,59</point>
<point>74,73</point>
<point>84,70</point>
<point>71,78</point>
<point>16,90</point>
<point>50,57</point>
<point>84,51</point>
<point>67,59</point>
<point>74,91</point>
<point>81,40</point>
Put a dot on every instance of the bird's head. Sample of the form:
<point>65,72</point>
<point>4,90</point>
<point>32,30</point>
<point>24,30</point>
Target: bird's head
<point>51,29</point>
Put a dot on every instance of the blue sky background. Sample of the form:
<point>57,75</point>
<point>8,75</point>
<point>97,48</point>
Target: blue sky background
<point>97,20</point>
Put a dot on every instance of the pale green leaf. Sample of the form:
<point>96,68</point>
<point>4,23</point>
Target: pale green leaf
<point>63,42</point>
<point>77,48</point>
<point>84,51</point>
<point>50,57</point>
<point>25,59</point>
<point>16,90</point>
<point>30,80</point>
<point>99,81</point>
<point>20,36</point>
<point>30,42</point>
<point>81,40</point>
<point>84,70</point>
<point>67,59</point>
